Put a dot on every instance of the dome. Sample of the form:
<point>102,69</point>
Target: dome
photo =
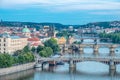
<point>26,30</point>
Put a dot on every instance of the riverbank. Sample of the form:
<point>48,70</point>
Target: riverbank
<point>13,69</point>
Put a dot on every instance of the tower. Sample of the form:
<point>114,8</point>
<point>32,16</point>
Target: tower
<point>51,31</point>
<point>26,32</point>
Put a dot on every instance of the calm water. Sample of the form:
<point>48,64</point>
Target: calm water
<point>85,70</point>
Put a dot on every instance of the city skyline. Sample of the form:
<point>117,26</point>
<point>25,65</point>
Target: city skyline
<point>65,12</point>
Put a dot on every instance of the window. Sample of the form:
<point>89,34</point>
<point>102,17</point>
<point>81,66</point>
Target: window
<point>4,40</point>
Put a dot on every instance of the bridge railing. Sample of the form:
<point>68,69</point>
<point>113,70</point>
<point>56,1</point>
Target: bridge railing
<point>81,58</point>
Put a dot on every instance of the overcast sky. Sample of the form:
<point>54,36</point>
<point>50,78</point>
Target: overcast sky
<point>60,11</point>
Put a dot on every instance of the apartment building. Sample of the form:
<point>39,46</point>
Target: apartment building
<point>10,44</point>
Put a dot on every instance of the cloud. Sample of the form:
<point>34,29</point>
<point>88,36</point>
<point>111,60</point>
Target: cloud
<point>62,5</point>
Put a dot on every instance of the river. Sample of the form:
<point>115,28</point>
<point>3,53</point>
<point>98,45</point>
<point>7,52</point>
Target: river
<point>85,70</point>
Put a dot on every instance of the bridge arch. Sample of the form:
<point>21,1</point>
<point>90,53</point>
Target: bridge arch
<point>104,49</point>
<point>92,67</point>
<point>88,49</point>
<point>89,40</point>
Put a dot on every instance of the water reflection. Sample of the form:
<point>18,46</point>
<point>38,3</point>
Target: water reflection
<point>24,75</point>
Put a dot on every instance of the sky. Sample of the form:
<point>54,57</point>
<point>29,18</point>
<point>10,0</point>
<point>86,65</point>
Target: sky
<point>60,11</point>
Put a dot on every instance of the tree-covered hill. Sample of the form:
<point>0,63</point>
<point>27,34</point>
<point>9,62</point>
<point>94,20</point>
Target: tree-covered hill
<point>103,24</point>
<point>58,25</point>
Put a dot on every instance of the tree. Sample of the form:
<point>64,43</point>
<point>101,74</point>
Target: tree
<point>40,48</point>
<point>16,53</point>
<point>43,53</point>
<point>33,49</point>
<point>46,52</point>
<point>6,60</point>
<point>20,57</point>
<point>26,49</point>
<point>115,37</point>
<point>49,51</point>
<point>53,44</point>
<point>25,57</point>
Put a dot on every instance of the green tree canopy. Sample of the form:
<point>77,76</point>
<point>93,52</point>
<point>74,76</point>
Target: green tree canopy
<point>33,49</point>
<point>40,48</point>
<point>6,60</point>
<point>26,49</point>
<point>46,52</point>
<point>115,37</point>
<point>53,44</point>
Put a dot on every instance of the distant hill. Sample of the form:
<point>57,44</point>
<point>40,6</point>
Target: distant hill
<point>103,24</point>
<point>58,25</point>
<point>29,24</point>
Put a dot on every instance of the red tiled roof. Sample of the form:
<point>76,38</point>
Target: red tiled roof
<point>33,39</point>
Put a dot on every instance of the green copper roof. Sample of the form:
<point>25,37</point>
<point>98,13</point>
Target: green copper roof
<point>25,30</point>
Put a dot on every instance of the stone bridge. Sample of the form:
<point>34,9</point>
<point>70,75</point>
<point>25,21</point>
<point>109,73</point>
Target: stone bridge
<point>110,61</point>
<point>95,39</point>
<point>88,34</point>
<point>80,47</point>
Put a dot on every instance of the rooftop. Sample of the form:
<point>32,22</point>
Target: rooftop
<point>15,37</point>
<point>33,39</point>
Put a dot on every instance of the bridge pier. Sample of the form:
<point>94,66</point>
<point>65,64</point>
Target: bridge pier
<point>95,50</point>
<point>112,52</point>
<point>72,66</point>
<point>112,67</point>
<point>81,49</point>
<point>52,63</point>
<point>42,66</point>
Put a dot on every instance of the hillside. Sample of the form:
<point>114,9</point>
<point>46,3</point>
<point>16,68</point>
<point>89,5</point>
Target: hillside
<point>58,25</point>
<point>104,24</point>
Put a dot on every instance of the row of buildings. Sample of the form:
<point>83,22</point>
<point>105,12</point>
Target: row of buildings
<point>12,40</point>
<point>92,29</point>
<point>9,43</point>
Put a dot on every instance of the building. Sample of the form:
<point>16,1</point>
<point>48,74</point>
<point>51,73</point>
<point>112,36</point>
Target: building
<point>10,44</point>
<point>49,31</point>
<point>46,28</point>
<point>61,41</point>
<point>26,32</point>
<point>34,42</point>
<point>70,40</point>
